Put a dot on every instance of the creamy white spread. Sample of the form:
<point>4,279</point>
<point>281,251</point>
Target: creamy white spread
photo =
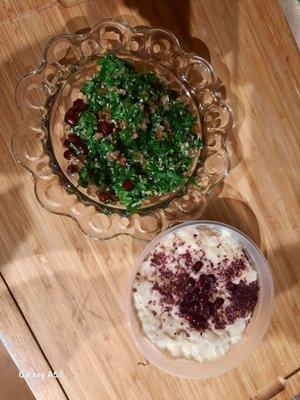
<point>195,293</point>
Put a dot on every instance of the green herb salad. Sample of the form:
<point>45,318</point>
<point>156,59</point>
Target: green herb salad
<point>129,137</point>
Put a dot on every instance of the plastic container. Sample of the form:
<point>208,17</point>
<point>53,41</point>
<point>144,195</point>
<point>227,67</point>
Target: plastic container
<point>238,352</point>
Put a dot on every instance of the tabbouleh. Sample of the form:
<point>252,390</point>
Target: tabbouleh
<point>130,138</point>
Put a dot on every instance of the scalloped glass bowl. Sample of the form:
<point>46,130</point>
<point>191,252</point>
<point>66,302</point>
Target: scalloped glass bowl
<point>44,95</point>
<point>238,352</point>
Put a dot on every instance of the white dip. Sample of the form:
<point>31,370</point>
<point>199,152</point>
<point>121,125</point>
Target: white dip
<point>195,293</point>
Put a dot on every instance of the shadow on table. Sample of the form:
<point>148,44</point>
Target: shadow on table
<point>15,223</point>
<point>233,212</point>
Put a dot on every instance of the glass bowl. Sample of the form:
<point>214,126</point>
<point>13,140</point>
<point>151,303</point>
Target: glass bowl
<point>44,95</point>
<point>238,352</point>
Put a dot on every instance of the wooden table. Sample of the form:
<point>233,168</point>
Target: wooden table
<point>62,294</point>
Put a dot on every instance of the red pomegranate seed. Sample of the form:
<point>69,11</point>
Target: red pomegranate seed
<point>105,127</point>
<point>72,169</point>
<point>197,266</point>
<point>201,280</point>
<point>103,196</point>
<point>66,143</point>
<point>218,303</point>
<point>68,154</point>
<point>128,186</point>
<point>79,104</point>
<point>74,139</point>
<point>72,116</point>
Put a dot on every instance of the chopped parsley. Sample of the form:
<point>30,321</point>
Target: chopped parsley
<point>135,137</point>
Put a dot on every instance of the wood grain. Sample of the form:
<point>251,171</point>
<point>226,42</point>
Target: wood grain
<point>18,346</point>
<point>71,289</point>
<point>12,9</point>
